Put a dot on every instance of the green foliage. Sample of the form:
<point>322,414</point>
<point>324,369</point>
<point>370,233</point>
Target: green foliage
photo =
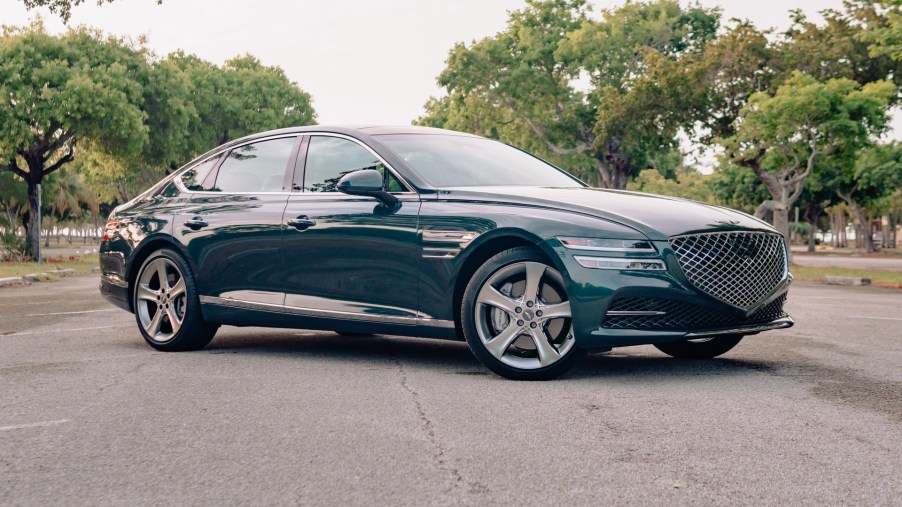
<point>782,136</point>
<point>240,98</point>
<point>736,187</point>
<point>132,116</point>
<point>885,39</point>
<point>63,7</point>
<point>687,184</point>
<point>635,59</point>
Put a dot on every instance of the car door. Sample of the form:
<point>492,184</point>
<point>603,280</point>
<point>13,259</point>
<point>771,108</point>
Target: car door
<point>344,256</point>
<point>232,223</point>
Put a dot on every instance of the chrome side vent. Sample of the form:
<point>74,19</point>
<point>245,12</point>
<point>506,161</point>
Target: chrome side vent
<point>445,244</point>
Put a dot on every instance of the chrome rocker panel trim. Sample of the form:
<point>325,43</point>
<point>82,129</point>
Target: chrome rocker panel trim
<point>333,314</point>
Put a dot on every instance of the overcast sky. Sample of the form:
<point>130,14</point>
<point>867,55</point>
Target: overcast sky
<point>363,61</point>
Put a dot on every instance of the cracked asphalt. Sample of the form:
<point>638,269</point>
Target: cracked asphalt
<point>89,415</point>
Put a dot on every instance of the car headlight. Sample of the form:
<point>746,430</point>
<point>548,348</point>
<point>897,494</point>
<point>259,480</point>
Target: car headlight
<point>608,245</point>
<point>616,246</point>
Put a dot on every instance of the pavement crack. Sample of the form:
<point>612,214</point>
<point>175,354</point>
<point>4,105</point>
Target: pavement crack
<point>440,450</point>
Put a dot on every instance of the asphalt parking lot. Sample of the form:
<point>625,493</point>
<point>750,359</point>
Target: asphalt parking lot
<point>90,415</point>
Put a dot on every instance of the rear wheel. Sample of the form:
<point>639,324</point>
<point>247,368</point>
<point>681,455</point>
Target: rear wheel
<point>516,317</point>
<point>700,348</point>
<point>166,305</point>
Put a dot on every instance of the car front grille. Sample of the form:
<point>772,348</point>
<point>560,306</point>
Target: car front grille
<point>738,268</point>
<point>683,316</point>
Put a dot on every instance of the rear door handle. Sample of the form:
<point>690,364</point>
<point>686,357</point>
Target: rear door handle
<point>301,223</point>
<point>196,223</point>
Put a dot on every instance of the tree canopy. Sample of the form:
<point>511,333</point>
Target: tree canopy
<point>130,116</point>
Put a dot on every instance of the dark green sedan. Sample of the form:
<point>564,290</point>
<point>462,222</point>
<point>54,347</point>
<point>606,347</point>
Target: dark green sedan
<point>431,233</point>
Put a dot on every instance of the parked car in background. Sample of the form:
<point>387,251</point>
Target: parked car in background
<point>437,234</point>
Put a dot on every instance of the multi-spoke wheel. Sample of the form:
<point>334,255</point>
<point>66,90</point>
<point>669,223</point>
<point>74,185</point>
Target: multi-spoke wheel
<point>166,304</point>
<point>700,348</point>
<point>516,317</point>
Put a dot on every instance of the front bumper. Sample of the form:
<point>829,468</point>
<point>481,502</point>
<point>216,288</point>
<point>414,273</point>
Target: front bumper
<point>593,291</point>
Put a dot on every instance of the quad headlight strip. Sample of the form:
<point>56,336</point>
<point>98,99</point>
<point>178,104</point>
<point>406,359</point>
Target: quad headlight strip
<point>600,246</point>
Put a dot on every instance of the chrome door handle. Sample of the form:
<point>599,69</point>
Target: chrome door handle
<point>301,223</point>
<point>196,223</point>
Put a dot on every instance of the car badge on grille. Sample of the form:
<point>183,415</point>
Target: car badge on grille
<point>727,222</point>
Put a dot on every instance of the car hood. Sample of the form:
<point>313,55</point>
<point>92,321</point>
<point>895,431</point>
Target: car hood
<point>656,216</point>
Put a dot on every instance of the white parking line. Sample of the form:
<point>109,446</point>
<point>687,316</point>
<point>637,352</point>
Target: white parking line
<point>67,313</point>
<point>66,330</point>
<point>43,424</point>
<point>877,318</point>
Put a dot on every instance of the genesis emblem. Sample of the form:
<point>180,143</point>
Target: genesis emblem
<point>728,222</point>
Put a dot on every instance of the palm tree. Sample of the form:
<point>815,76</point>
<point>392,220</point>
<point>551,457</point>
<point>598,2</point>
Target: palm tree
<point>67,196</point>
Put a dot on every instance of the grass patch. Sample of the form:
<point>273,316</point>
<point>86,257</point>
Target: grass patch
<point>879,278</point>
<point>82,264</point>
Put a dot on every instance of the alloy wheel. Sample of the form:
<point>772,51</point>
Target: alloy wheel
<point>161,299</point>
<point>523,317</point>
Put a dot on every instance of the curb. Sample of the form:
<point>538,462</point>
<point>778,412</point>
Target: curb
<point>33,277</point>
<point>847,280</point>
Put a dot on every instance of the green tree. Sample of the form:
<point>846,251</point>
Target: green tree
<point>865,180</point>
<point>63,7</point>
<point>687,183</point>
<point>884,39</point>
<point>59,91</point>
<point>635,60</point>
<point>780,137</point>
<point>240,98</point>
<point>67,196</point>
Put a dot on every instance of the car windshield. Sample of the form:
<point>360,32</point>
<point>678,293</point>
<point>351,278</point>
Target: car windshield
<point>461,161</point>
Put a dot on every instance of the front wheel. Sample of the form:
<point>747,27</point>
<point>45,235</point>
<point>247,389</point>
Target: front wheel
<point>700,348</point>
<point>516,317</point>
<point>166,304</point>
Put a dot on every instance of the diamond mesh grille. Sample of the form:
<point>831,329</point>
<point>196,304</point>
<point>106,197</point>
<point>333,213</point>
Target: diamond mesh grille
<point>739,268</point>
<point>684,316</point>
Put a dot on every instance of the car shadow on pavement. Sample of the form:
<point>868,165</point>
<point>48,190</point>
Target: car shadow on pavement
<point>456,356</point>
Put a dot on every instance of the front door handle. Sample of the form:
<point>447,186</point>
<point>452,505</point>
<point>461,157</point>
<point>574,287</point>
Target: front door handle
<point>196,223</point>
<point>301,223</point>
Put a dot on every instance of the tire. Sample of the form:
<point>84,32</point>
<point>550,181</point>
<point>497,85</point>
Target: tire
<point>157,311</point>
<point>516,317</point>
<point>703,348</point>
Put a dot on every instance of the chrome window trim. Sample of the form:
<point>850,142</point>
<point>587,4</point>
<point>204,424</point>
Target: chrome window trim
<point>182,187</point>
<point>367,148</point>
<point>315,312</point>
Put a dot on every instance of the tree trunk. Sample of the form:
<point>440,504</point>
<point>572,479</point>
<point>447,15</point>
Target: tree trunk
<point>812,232</point>
<point>50,227</point>
<point>864,229</point>
<point>33,227</point>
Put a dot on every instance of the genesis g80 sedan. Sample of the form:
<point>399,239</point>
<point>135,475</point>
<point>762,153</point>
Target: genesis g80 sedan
<point>438,234</point>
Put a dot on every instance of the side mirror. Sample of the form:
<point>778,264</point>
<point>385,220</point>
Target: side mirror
<point>367,182</point>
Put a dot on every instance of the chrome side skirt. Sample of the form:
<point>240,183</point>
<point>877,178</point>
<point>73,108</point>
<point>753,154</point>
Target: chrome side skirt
<point>332,314</point>
<point>781,323</point>
<point>634,313</point>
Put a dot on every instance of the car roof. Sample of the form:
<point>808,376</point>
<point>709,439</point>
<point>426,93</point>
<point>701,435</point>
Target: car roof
<point>357,130</point>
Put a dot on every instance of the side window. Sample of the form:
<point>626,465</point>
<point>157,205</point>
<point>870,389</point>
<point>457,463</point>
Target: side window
<point>330,158</point>
<point>257,167</point>
<point>193,178</point>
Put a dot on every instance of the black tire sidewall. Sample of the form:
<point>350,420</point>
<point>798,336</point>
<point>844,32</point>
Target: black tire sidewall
<point>468,320</point>
<point>195,333</point>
